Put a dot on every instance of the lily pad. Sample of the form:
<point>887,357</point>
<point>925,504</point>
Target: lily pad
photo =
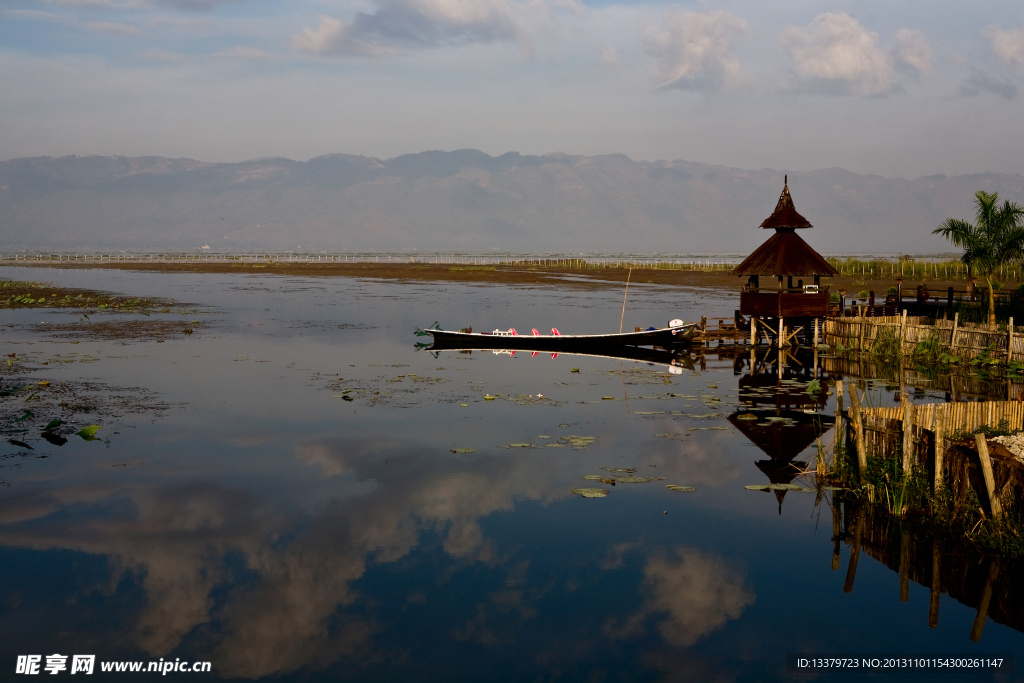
<point>591,493</point>
<point>462,450</point>
<point>88,433</point>
<point>635,480</point>
<point>746,416</point>
<point>681,489</point>
<point>625,470</point>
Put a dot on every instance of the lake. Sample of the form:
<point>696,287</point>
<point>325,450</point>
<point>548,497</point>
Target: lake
<point>294,491</point>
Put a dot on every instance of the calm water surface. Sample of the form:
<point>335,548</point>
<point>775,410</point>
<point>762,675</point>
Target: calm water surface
<point>239,509</point>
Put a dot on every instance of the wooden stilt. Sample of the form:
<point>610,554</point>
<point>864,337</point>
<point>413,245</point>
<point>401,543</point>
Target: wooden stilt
<point>816,332</point>
<point>990,483</point>
<point>753,331</point>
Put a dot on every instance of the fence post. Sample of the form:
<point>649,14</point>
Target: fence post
<point>940,445</point>
<point>858,431</point>
<point>990,481</point>
<point>908,433</point>
<point>1009,342</point>
<point>952,340</point>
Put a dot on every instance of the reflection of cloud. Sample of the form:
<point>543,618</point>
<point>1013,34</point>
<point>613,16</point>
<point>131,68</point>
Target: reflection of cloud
<point>836,55</point>
<point>181,541</point>
<point>694,50</point>
<point>689,462</point>
<point>689,598</point>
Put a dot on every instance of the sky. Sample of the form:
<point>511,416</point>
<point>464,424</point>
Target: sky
<point>904,88</point>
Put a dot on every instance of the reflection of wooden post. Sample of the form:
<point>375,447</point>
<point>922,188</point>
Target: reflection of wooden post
<point>840,428</point>
<point>782,332</point>
<point>908,434</point>
<point>933,605</point>
<point>904,565</point>
<point>858,432</point>
<point>986,599</point>
<point>836,530</point>
<point>990,480</point>
<point>851,570</point>
<point>940,445</point>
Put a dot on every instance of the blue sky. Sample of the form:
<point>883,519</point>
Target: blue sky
<point>906,88</point>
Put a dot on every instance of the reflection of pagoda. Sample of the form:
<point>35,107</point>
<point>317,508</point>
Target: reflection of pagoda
<point>782,441</point>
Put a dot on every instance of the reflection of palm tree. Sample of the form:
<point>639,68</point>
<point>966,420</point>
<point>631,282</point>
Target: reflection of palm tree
<point>995,239</point>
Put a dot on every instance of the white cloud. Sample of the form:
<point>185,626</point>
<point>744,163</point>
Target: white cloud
<point>415,23</point>
<point>609,56</point>
<point>113,28</point>
<point>242,52</point>
<point>1007,44</point>
<point>694,50</point>
<point>979,83</point>
<point>910,51</point>
<point>158,54</point>
<point>34,15</point>
<point>835,54</point>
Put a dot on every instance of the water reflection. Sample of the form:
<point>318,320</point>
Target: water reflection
<point>987,584</point>
<point>278,530</point>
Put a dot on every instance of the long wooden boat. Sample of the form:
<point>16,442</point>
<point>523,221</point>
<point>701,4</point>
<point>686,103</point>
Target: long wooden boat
<point>664,337</point>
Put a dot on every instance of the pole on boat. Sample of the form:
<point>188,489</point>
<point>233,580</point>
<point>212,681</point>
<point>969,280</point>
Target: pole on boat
<point>623,317</point>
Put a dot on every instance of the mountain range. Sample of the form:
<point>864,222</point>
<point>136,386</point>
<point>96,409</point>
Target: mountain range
<point>466,200</point>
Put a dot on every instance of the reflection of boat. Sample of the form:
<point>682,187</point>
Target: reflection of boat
<point>674,359</point>
<point>664,337</point>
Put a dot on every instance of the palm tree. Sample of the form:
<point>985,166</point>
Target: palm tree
<point>995,240</point>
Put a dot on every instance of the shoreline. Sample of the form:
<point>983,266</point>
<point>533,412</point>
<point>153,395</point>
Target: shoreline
<point>577,278</point>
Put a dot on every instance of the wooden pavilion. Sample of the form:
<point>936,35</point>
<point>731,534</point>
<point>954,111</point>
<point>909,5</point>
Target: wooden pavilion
<point>784,256</point>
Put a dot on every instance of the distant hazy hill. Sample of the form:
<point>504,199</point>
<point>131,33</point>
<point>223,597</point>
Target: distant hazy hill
<point>464,200</point>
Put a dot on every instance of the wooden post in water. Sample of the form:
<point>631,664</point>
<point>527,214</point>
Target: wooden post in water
<point>908,434</point>
<point>990,481</point>
<point>940,445</point>
<point>903,331</point>
<point>753,331</point>
<point>936,588</point>
<point>858,431</point>
<point>986,600</point>
<point>816,332</point>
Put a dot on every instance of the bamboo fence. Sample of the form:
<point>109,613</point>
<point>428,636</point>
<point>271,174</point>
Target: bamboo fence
<point>966,340</point>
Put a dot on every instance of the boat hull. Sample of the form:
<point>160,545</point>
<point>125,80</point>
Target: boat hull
<point>666,337</point>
